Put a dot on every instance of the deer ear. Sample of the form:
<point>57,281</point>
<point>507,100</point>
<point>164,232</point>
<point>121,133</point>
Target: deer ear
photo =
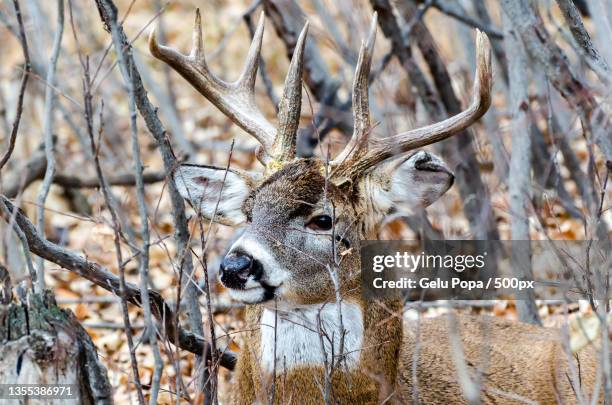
<point>412,183</point>
<point>215,192</point>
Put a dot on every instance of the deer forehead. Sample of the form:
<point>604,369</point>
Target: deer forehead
<point>295,190</point>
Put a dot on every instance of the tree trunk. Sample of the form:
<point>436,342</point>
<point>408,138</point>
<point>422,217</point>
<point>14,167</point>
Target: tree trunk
<point>44,344</point>
<point>519,180</point>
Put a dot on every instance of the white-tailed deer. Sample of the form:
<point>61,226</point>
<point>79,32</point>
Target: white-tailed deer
<point>302,215</point>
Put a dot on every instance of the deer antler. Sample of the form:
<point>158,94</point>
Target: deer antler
<point>358,144</point>
<point>290,105</point>
<point>237,100</point>
<point>362,153</point>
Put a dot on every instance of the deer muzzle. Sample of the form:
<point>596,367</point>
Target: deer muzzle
<point>236,269</point>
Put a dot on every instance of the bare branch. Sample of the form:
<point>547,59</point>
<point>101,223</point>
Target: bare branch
<point>22,87</point>
<point>116,226</point>
<point>48,136</point>
<point>539,45</point>
<point>265,78</point>
<point>126,179</point>
<point>143,256</point>
<point>110,282</point>
<point>108,14</point>
<point>583,39</point>
<point>288,20</point>
<point>454,11</point>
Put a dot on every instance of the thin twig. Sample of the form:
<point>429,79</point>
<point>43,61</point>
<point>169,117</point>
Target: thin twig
<point>22,87</point>
<point>108,13</point>
<point>116,227</point>
<point>454,12</point>
<point>204,239</point>
<point>143,257</point>
<point>348,54</point>
<point>48,137</point>
<point>170,95</point>
<point>288,20</point>
<point>126,179</point>
<point>105,279</point>
<point>34,169</point>
<point>10,219</point>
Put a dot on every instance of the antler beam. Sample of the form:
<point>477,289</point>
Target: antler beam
<point>236,100</point>
<point>362,154</point>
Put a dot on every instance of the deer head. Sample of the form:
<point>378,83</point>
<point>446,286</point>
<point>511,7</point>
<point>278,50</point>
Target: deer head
<point>302,214</point>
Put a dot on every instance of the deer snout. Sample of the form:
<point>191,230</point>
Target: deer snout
<point>236,268</point>
<point>427,162</point>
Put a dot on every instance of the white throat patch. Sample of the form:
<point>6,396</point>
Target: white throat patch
<point>299,341</point>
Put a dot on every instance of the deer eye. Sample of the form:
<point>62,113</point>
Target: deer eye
<point>320,223</point>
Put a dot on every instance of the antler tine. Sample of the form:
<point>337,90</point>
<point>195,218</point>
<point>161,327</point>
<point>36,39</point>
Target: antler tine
<point>197,41</point>
<point>383,149</point>
<point>290,105</point>
<point>358,143</point>
<point>483,80</point>
<point>249,73</point>
<point>236,100</point>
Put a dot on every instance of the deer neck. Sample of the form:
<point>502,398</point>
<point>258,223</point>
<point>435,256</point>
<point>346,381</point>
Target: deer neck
<point>309,336</point>
<point>368,333</point>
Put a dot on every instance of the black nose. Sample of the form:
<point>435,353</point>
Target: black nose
<point>235,270</point>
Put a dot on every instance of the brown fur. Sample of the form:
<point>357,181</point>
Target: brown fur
<point>508,360</point>
<point>513,360</point>
<point>518,359</point>
<point>378,368</point>
<point>516,363</point>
